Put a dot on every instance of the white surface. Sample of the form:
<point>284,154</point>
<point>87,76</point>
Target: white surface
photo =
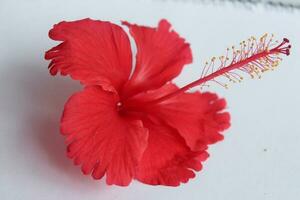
<point>265,113</point>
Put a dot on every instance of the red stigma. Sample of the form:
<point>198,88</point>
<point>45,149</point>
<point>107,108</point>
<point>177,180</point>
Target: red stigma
<point>284,47</point>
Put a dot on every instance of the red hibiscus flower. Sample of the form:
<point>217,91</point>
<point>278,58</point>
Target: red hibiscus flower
<point>134,123</point>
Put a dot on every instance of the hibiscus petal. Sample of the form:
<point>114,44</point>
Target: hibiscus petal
<point>161,55</point>
<point>167,160</point>
<point>101,140</point>
<point>198,117</point>
<point>94,52</point>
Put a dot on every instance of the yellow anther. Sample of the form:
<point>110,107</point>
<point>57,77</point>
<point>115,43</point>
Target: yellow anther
<point>275,64</point>
<point>263,37</point>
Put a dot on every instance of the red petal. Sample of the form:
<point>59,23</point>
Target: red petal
<point>198,117</point>
<point>161,55</point>
<point>94,52</point>
<point>101,140</point>
<point>167,160</point>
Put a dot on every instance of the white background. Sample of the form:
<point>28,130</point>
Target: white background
<point>259,158</point>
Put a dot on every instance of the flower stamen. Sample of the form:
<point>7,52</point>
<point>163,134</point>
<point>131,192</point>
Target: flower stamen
<point>254,57</point>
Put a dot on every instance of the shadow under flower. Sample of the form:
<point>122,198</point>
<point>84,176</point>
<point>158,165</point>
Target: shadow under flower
<point>36,101</point>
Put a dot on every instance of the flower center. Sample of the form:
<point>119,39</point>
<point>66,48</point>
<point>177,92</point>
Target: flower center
<point>120,107</point>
